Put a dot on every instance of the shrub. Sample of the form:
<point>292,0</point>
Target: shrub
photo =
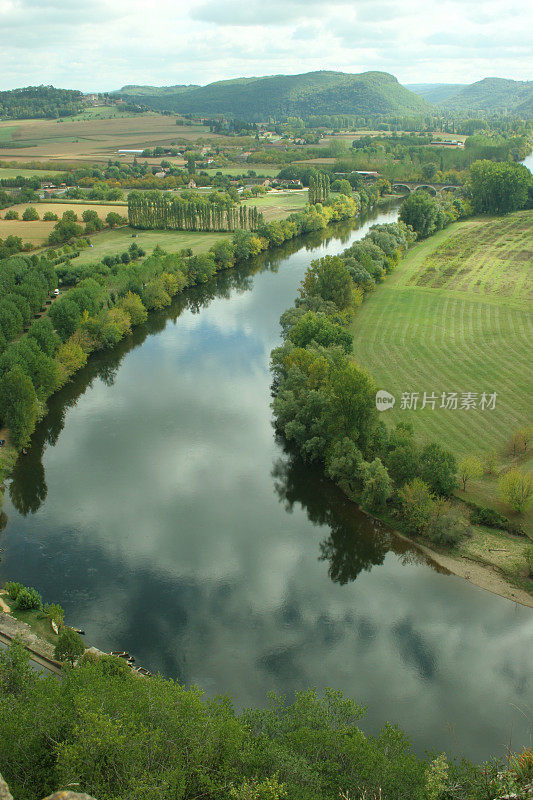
<point>69,646</point>
<point>13,588</point>
<point>11,214</point>
<point>29,599</point>
<point>49,216</point>
<point>447,529</point>
<point>54,612</point>
<point>30,214</point>
<point>481,515</point>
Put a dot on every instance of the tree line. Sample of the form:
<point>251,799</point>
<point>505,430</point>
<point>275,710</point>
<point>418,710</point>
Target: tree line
<point>154,210</point>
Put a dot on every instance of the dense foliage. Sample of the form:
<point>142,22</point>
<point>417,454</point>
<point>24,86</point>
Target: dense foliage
<point>498,187</point>
<point>118,736</point>
<point>39,101</point>
<point>154,210</point>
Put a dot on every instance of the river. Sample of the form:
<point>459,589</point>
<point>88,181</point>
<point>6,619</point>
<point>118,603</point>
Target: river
<point>157,507</point>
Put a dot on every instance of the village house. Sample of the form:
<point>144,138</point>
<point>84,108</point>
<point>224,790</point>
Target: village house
<point>191,184</point>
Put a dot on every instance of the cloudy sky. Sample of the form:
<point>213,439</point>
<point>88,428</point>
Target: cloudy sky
<point>103,44</point>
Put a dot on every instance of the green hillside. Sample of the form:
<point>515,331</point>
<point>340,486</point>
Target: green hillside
<point>281,95</point>
<point>493,95</point>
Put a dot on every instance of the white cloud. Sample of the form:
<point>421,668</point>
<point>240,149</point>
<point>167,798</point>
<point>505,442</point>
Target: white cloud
<point>99,44</point>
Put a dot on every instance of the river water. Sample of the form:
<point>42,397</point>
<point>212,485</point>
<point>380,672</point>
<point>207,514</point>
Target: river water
<point>157,507</point>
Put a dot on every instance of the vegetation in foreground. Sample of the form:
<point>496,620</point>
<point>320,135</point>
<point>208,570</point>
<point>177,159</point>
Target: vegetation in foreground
<point>118,736</point>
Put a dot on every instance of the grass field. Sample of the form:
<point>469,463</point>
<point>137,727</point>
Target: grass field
<point>454,318</point>
<point>8,172</point>
<point>276,205</point>
<point>111,242</point>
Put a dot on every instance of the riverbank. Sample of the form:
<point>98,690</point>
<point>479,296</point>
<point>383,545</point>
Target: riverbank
<point>317,414</point>
<point>155,281</point>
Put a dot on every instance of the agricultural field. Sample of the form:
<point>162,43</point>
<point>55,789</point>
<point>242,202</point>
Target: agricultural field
<point>35,233</point>
<point>93,139</point>
<point>13,172</point>
<point>454,317</point>
<point>276,205</point>
<point>59,208</point>
<point>241,169</point>
<point>113,242</point>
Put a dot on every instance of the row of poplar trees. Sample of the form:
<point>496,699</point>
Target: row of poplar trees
<point>194,214</point>
<point>318,188</point>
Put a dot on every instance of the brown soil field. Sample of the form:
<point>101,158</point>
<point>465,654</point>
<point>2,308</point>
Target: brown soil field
<point>96,139</point>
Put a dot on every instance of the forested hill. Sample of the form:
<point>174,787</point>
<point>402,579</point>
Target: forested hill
<point>285,95</point>
<point>39,101</point>
<point>493,95</point>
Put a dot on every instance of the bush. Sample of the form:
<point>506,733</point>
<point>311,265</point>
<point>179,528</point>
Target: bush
<point>11,214</point>
<point>30,214</point>
<point>13,588</point>
<point>480,515</point>
<point>55,613</point>
<point>447,529</point>
<point>29,599</point>
<point>49,216</point>
<point>69,646</point>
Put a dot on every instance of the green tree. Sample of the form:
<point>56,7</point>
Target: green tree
<point>470,468</point>
<point>69,646</point>
<point>438,468</point>
<point>343,463</point>
<point>377,485</point>
<point>329,278</point>
<point>498,187</point>
<point>516,489</point>
<point>113,219</point>
<point>19,408</point>
<point>417,505</point>
<point>65,315</point>
<point>30,214</point>
<point>43,332</point>
<point>133,305</point>
<point>420,211</point>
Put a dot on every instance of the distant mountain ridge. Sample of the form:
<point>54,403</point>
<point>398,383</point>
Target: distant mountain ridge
<point>490,95</point>
<point>435,92</point>
<point>323,92</point>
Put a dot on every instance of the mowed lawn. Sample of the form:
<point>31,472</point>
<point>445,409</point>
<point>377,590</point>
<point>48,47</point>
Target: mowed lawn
<point>455,317</point>
<point>113,242</point>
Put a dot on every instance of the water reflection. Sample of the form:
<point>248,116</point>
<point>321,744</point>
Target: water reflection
<point>149,507</point>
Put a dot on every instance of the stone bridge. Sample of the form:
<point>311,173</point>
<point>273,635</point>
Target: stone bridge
<point>406,187</point>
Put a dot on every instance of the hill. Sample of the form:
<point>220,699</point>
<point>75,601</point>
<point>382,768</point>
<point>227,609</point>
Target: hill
<point>258,98</point>
<point>493,95</point>
<point>435,92</point>
<point>35,102</point>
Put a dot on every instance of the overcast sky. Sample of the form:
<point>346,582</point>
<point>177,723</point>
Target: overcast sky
<point>103,44</point>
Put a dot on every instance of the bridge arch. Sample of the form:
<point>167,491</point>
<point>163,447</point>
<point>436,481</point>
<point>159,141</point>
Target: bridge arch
<point>404,186</point>
<point>452,189</point>
<point>426,187</point>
